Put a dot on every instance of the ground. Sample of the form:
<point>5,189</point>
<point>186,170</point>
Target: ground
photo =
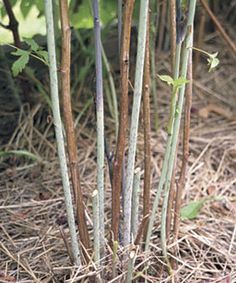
<point>31,197</point>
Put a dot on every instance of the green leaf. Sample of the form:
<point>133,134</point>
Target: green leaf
<point>180,82</point>
<point>167,79</point>
<point>25,7</point>
<point>213,61</point>
<point>20,52</point>
<point>191,210</point>
<point>33,45</point>
<point>20,63</point>
<point>44,55</point>
<point>23,153</point>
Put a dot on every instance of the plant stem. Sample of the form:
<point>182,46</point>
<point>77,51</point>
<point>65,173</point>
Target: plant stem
<point>177,120</point>
<point>186,137</point>
<point>147,130</point>
<point>100,121</point>
<point>120,12</point>
<point>172,13</point>
<point>69,124</point>
<point>13,24</point>
<point>59,128</point>
<point>167,153</point>
<point>96,239</point>
<point>135,203</point>
<point>113,91</point>
<point>123,122</point>
<point>143,18</point>
<point>130,268</point>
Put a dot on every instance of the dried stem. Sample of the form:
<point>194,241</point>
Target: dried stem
<point>69,124</point>
<point>123,121</point>
<point>147,130</point>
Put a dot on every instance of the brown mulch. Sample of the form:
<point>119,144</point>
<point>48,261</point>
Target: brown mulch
<point>31,198</point>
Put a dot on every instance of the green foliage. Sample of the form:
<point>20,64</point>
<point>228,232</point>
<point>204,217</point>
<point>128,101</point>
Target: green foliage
<point>82,17</point>
<point>21,62</point>
<point>35,50</point>
<point>193,208</point>
<point>213,61</point>
<point>25,7</point>
<point>175,83</point>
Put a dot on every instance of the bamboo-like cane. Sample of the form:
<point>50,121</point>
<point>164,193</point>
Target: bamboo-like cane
<point>59,129</point>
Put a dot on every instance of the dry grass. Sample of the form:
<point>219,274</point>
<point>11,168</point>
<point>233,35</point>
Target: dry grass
<point>32,209</point>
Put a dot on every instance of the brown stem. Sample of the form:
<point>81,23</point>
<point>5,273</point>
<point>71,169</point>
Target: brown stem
<point>162,25</point>
<point>147,130</point>
<point>172,11</point>
<point>69,125</point>
<point>181,182</point>
<point>123,121</point>
<point>219,27</point>
<point>13,23</point>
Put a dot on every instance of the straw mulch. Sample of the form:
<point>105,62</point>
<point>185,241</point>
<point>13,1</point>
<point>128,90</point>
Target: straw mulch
<point>31,199</point>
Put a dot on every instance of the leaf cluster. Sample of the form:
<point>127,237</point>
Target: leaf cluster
<point>34,50</point>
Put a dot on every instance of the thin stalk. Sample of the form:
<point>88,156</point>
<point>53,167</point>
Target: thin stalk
<point>123,121</point>
<point>162,23</point>
<point>172,12</point>
<point>153,28</point>
<point>96,239</point>
<point>131,262</point>
<point>143,18</point>
<point>186,137</point>
<point>135,203</point>
<point>177,120</point>
<point>167,154</point>
<point>114,258</point>
<point>113,91</point>
<point>100,120</point>
<point>147,130</point>
<point>120,12</point>
<point>59,129</point>
<point>69,124</point>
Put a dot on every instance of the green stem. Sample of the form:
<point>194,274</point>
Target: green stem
<point>167,154</point>
<point>135,118</point>
<point>59,129</point>
<point>176,126</point>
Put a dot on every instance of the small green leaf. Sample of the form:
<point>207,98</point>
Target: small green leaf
<point>191,210</point>
<point>33,45</point>
<point>212,62</point>
<point>167,79</point>
<point>25,7</point>
<point>44,55</point>
<point>180,82</point>
<point>20,63</point>
<point>20,52</point>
